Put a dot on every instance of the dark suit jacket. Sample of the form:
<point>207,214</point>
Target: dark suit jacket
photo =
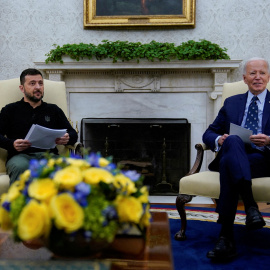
<point>233,112</point>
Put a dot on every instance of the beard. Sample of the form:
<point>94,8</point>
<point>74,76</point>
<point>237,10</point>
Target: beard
<point>33,98</point>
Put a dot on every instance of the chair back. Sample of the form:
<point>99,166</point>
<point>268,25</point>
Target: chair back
<point>54,92</point>
<point>235,88</point>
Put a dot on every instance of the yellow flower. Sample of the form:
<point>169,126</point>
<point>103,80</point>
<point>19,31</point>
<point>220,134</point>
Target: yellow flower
<point>145,220</point>
<point>78,162</point>
<point>129,209</point>
<point>14,191</point>
<point>51,163</point>
<point>5,221</point>
<point>124,183</point>
<point>22,179</point>
<point>68,177</point>
<point>34,221</point>
<point>58,160</point>
<point>145,194</point>
<point>103,162</point>
<point>42,189</point>
<point>25,175</point>
<point>67,213</point>
<point>93,176</point>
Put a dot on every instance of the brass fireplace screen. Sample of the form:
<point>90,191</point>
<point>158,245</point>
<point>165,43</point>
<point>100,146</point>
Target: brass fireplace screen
<point>159,149</point>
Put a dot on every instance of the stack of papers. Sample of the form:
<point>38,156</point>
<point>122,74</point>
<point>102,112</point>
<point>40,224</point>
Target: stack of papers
<point>42,137</point>
<point>243,133</point>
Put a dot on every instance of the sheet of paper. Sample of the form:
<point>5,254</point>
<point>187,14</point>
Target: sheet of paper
<point>243,133</point>
<point>42,137</point>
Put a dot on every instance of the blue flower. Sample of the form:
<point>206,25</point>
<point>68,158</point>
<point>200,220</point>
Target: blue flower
<point>93,159</point>
<point>25,190</point>
<point>34,167</point>
<point>110,213</point>
<point>83,188</point>
<point>43,162</point>
<point>76,156</point>
<point>80,198</point>
<point>111,167</point>
<point>88,234</point>
<point>6,205</point>
<point>133,175</point>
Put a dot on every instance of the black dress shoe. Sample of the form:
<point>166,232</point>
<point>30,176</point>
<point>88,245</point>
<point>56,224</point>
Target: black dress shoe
<point>224,250</point>
<point>254,219</point>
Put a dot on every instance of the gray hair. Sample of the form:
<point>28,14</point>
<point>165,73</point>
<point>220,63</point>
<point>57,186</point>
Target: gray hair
<point>254,59</point>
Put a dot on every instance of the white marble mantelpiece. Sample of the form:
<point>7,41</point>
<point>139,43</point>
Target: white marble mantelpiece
<point>176,89</point>
<point>107,64</point>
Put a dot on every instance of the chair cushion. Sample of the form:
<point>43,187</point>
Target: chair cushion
<point>3,158</point>
<point>206,184</point>
<point>4,183</point>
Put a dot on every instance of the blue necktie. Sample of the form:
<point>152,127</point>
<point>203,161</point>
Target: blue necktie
<point>252,120</point>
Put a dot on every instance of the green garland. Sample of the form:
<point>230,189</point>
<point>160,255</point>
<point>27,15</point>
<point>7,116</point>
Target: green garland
<point>126,51</point>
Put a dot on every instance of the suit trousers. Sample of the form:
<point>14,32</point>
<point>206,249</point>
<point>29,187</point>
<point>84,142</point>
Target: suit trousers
<point>236,162</point>
<point>20,163</point>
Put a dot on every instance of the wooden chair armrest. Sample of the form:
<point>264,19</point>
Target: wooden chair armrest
<point>200,147</point>
<point>76,148</point>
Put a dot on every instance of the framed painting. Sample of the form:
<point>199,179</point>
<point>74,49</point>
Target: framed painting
<point>139,13</point>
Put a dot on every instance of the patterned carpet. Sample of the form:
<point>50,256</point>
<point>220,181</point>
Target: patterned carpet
<point>202,214</point>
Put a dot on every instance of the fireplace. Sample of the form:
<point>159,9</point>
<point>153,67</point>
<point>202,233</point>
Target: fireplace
<point>159,149</point>
<point>130,89</point>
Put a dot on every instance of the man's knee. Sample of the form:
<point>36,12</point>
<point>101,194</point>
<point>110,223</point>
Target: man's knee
<point>233,141</point>
<point>16,166</point>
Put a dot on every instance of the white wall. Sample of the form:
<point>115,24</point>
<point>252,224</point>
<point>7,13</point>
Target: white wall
<point>29,28</point>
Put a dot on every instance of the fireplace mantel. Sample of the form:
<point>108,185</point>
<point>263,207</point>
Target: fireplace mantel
<point>107,64</point>
<point>220,70</point>
<point>177,89</point>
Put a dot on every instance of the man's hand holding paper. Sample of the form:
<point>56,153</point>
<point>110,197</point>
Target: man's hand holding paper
<point>260,140</point>
<point>21,145</point>
<point>46,138</point>
<point>62,140</point>
<point>247,137</point>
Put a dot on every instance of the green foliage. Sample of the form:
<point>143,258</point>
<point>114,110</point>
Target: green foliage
<point>94,218</point>
<point>126,51</point>
<point>16,207</point>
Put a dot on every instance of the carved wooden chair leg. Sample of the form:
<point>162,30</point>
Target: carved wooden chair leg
<point>181,200</point>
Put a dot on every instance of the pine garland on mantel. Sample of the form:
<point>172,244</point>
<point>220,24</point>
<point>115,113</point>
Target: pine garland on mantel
<point>126,51</point>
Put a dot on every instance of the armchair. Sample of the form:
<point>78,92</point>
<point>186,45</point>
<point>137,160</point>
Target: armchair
<point>55,92</point>
<point>206,183</point>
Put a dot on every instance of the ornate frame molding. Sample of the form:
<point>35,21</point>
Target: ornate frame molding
<point>185,18</point>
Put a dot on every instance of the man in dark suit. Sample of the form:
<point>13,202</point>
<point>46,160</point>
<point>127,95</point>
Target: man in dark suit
<point>236,161</point>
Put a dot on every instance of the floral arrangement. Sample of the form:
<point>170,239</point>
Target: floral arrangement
<point>71,194</point>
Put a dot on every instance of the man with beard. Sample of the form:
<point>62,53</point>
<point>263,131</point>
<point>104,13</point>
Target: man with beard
<point>17,118</point>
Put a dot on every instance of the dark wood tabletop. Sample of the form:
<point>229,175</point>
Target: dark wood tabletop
<point>126,253</point>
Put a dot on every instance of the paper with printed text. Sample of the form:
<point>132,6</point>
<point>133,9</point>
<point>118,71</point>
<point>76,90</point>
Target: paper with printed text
<point>42,137</point>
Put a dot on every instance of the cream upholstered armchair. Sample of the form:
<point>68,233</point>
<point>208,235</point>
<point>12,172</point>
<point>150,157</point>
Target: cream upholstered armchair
<point>54,92</point>
<point>206,183</point>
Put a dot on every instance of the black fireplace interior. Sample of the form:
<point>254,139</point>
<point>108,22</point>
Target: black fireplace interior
<point>157,148</point>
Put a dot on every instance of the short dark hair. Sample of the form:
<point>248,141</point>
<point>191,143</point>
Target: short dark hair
<point>29,71</point>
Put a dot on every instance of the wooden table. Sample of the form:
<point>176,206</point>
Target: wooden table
<point>156,254</point>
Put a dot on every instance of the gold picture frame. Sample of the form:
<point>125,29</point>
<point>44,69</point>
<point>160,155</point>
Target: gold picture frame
<point>139,13</point>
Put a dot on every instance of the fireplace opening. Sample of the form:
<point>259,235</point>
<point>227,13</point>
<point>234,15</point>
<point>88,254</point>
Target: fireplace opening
<point>159,149</point>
